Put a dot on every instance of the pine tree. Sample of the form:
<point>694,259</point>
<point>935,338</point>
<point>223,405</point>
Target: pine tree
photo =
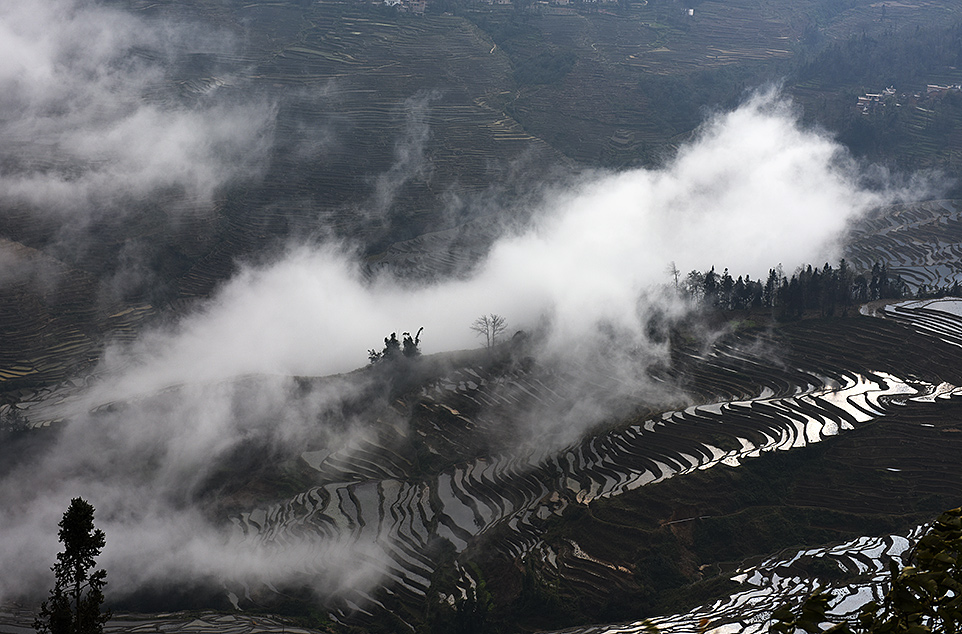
<point>75,600</point>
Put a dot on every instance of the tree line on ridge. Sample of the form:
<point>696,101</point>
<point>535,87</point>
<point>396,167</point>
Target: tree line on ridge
<point>828,290</point>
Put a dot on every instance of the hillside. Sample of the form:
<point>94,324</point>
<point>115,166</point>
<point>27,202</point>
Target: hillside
<point>651,516</point>
<point>816,445</point>
<point>389,126</point>
<point>703,465</point>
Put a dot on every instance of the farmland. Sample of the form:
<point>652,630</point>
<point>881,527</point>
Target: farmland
<point>390,126</point>
<point>414,142</point>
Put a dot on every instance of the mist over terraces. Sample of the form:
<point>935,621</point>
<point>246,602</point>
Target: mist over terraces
<point>211,214</point>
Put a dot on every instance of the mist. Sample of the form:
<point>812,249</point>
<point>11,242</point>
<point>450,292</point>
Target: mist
<point>752,190</point>
<point>91,124</point>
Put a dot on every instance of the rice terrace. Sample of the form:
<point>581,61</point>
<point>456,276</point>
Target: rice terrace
<point>670,296</point>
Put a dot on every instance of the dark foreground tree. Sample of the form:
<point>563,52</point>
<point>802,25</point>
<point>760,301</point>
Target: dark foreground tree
<point>924,596</point>
<point>75,600</point>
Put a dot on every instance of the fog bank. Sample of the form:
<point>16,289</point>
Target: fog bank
<point>91,123</point>
<point>753,189</point>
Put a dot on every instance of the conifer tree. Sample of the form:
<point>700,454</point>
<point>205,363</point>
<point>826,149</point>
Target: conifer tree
<point>75,600</point>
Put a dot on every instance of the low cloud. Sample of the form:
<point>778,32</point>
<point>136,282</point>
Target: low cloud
<point>752,190</point>
<point>90,124</point>
<point>149,465</point>
<point>410,160</point>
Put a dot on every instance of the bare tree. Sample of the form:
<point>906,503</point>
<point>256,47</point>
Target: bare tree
<point>674,272</point>
<point>490,327</point>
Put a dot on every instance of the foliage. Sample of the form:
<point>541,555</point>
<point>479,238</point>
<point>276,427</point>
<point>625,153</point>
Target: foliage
<point>491,327</point>
<point>75,600</point>
<point>911,128</point>
<point>472,614</point>
<point>825,289</point>
<point>924,596</point>
<point>459,610</point>
<point>408,347</point>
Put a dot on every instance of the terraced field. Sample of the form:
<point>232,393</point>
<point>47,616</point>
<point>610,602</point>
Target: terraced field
<point>853,571</point>
<point>620,60</point>
<point>51,321</point>
<point>651,71</point>
<point>16,619</point>
<point>392,131</point>
<point>780,579</point>
<point>448,491</point>
<point>829,438</point>
<point>498,507</point>
<point>920,242</point>
<point>384,131</point>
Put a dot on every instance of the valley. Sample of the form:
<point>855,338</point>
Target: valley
<point>624,458</point>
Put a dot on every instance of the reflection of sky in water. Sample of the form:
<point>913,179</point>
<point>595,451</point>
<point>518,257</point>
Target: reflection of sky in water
<point>772,583</point>
<point>950,305</point>
<point>474,497</point>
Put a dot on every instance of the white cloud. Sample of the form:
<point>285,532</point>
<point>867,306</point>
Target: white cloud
<point>89,125</point>
<point>754,189</point>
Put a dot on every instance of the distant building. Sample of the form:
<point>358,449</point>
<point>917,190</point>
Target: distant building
<point>868,102</point>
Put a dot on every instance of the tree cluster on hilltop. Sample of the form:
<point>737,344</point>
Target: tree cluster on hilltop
<point>826,290</point>
<point>394,348</point>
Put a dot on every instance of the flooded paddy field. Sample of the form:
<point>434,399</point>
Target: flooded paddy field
<point>920,242</point>
<point>753,462</point>
<point>825,448</point>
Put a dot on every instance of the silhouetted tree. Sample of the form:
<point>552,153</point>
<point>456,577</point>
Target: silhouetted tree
<point>411,347</point>
<point>860,290</point>
<point>771,289</point>
<point>726,286</point>
<point>711,287</point>
<point>845,287</point>
<point>829,291</point>
<point>695,285</point>
<point>490,327</point>
<point>740,294</point>
<point>75,600</point>
<point>674,273</point>
<point>393,348</point>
